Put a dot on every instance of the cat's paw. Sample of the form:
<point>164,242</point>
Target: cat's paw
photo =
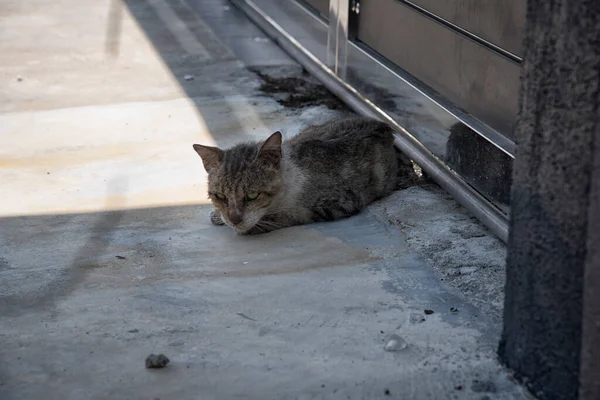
<point>216,218</point>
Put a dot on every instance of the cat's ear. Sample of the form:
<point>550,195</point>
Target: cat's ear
<point>211,156</point>
<point>270,150</point>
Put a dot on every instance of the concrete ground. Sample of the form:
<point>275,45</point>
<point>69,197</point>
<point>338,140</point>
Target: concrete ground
<point>108,255</point>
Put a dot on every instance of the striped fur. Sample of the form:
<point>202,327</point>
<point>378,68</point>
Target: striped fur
<point>325,173</point>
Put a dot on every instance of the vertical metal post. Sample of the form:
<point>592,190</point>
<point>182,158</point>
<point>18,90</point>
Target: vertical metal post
<point>337,41</point>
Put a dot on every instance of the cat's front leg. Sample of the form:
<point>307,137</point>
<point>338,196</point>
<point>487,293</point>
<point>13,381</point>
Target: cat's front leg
<point>216,218</point>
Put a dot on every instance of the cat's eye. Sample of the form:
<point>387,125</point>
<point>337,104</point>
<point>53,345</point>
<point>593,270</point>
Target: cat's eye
<point>220,197</point>
<point>252,196</point>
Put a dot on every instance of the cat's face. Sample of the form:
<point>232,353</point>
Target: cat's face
<point>244,180</point>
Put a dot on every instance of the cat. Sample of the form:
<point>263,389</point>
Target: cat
<point>325,173</point>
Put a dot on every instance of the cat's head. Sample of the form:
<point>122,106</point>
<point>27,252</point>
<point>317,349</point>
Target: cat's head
<point>243,180</point>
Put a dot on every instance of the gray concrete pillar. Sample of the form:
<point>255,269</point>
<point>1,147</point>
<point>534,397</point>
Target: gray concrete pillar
<point>552,306</point>
<point>590,339</point>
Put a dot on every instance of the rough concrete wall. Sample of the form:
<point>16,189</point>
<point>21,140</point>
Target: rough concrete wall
<point>555,134</point>
<point>590,339</point>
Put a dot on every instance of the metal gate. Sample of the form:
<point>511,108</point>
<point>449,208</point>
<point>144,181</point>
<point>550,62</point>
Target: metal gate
<point>445,73</point>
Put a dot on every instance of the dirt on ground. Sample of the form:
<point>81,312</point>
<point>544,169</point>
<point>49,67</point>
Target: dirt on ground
<point>297,91</point>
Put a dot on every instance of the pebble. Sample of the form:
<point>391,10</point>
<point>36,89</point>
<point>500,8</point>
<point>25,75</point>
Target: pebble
<point>395,343</point>
<point>157,361</point>
<point>189,77</point>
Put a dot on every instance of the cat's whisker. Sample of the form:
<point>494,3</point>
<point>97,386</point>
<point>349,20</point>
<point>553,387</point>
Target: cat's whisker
<point>268,225</point>
<point>261,228</point>
<point>273,226</point>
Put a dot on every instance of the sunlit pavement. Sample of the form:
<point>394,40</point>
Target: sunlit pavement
<point>108,255</point>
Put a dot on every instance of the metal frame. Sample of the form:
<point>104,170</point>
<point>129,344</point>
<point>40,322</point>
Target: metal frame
<point>478,205</point>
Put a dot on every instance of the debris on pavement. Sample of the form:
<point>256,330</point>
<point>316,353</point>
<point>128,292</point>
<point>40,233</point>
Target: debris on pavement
<point>297,92</point>
<point>245,316</point>
<point>395,343</point>
<point>157,361</point>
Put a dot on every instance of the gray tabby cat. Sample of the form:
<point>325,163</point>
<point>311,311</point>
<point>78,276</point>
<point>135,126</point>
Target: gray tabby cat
<point>325,173</point>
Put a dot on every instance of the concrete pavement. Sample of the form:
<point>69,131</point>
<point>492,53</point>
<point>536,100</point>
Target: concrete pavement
<point>108,255</point>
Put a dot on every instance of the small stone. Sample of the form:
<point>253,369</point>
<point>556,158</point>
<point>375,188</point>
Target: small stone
<point>121,257</point>
<point>189,77</point>
<point>19,78</point>
<point>261,39</point>
<point>245,262</point>
<point>386,392</point>
<point>133,330</point>
<point>226,8</point>
<point>428,312</point>
<point>459,387</point>
<point>453,309</point>
<point>156,361</point>
<point>395,343</point>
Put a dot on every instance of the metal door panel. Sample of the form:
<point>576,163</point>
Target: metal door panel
<point>499,22</point>
<point>469,75</point>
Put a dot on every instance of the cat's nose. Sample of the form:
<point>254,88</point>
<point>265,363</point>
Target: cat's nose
<point>235,217</point>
